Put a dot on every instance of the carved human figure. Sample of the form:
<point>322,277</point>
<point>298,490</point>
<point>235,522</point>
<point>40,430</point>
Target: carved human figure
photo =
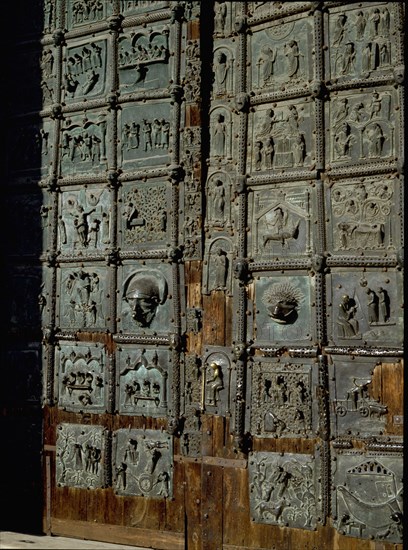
<point>280,479</point>
<point>383,305</point>
<point>147,134</point>
<point>348,59</point>
<point>121,476</point>
<point>292,53</point>
<point>343,141</point>
<point>131,455</point>
<point>375,139</point>
<point>267,61</point>
<point>366,58</point>
<point>372,306</point>
<point>268,153</point>
<point>384,23</point>
<point>347,323</point>
<point>258,155</point>
<point>384,54</point>
<point>341,110</point>
<point>215,382</point>
<point>145,292</point>
<point>163,480</point>
<point>299,150</point>
<point>375,105</point>
<point>221,269</point>
<point>358,113</point>
<point>165,133</point>
<point>221,70</point>
<point>339,29</point>
<point>373,23</point>
<point>218,193</point>
<point>220,17</point>
<point>220,135</point>
<point>360,25</point>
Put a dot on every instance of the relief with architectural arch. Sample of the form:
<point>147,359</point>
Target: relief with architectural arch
<point>281,53</point>
<point>282,137</point>
<point>281,221</point>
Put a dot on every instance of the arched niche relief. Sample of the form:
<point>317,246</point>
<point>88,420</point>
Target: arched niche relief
<point>218,267</point>
<point>223,70</point>
<point>218,191</point>
<point>221,134</point>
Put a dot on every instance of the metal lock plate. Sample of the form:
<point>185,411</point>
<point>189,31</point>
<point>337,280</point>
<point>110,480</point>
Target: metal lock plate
<point>284,489</point>
<point>143,463</point>
<point>81,456</point>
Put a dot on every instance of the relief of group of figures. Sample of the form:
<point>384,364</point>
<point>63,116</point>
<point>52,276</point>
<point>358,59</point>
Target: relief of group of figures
<point>362,127</point>
<point>84,69</point>
<point>83,144</point>
<point>84,12</point>
<point>361,215</point>
<point>280,139</point>
<point>141,460</point>
<point>360,41</point>
<point>149,135</point>
<point>284,401</point>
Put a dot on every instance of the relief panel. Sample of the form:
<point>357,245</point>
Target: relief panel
<point>50,15</point>
<point>366,308</point>
<point>82,377</point>
<point>143,463</point>
<point>144,301</point>
<point>145,217</point>
<point>224,70</point>
<point>84,70</point>
<point>362,126</point>
<point>280,221</point>
<point>219,196</point>
<point>143,381</point>
<point>283,310</point>
<point>221,135</point>
<point>215,378</point>
<point>217,273</point>
<point>284,489</point>
<point>224,13</point>
<point>84,140</point>
<point>367,501</point>
<point>145,133</point>
<point>133,7</point>
<point>83,294</point>
<point>87,12</point>
<point>361,44</point>
<point>30,148</point>
<point>282,137</point>
<point>282,57</point>
<point>81,456</point>
<point>193,381</point>
<point>48,76</point>
<point>283,402</point>
<point>355,408</point>
<point>85,220</point>
<point>364,215</point>
<point>144,59</point>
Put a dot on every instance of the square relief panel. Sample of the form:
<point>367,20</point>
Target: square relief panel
<point>80,13</point>
<point>133,7</point>
<point>283,311</point>
<point>360,42</point>
<point>145,132</point>
<point>144,60</point>
<point>367,501</point>
<point>364,214</point>
<point>143,381</point>
<point>284,489</point>
<point>283,403</point>
<point>355,390</point>
<point>281,220</point>
<point>366,307</point>
<point>282,56</point>
<point>81,456</point>
<point>282,136</point>
<point>143,463</point>
<point>83,297</point>
<point>85,220</point>
<point>84,69</point>
<point>362,127</point>
<point>84,142</point>
<point>144,217</point>
<point>83,377</point>
<point>144,300</point>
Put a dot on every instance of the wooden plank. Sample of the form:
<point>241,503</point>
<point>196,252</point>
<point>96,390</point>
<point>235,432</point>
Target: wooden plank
<point>192,505</point>
<point>214,319</point>
<point>388,388</point>
<point>160,540</point>
<point>212,508</point>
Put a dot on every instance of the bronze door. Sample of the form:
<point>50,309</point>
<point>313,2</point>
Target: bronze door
<point>220,278</point>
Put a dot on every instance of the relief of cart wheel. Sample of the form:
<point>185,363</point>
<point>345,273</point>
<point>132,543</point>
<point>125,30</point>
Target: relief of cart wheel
<point>364,411</point>
<point>341,410</point>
